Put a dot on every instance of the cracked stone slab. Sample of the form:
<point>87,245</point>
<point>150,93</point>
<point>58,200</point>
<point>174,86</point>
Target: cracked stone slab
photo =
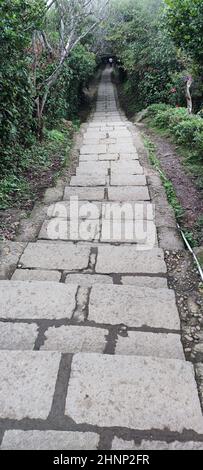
<point>137,393</point>
<point>127,259</point>
<point>55,256</point>
<point>17,336</point>
<point>73,339</point>
<point>128,193</point>
<point>120,444</point>
<point>28,381</point>
<point>88,280</point>
<point>147,281</point>
<point>36,275</point>
<point>74,230</point>
<point>89,194</point>
<point>85,181</point>
<point>49,440</point>
<point>134,306</point>
<point>10,253</point>
<point>36,300</point>
<point>150,344</point>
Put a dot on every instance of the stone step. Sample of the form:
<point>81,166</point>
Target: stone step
<point>111,259</point>
<point>105,391</point>
<point>107,304</point>
<point>142,233</point>
<point>140,393</point>
<point>26,306</point>
<point>133,306</point>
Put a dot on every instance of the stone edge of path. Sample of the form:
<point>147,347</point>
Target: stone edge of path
<point>168,235</point>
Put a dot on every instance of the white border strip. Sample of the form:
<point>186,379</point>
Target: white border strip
<point>191,251</point>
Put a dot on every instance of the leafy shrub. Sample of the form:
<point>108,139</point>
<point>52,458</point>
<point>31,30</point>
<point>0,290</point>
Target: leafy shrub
<point>161,118</point>
<point>153,109</point>
<point>198,141</point>
<point>186,129</point>
<point>189,131</point>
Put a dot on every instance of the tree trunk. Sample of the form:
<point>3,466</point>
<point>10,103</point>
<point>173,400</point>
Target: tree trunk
<point>39,115</point>
<point>188,95</point>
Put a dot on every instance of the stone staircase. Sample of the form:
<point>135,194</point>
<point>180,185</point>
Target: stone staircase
<point>91,353</point>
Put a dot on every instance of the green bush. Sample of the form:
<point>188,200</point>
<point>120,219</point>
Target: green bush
<point>186,130</point>
<point>198,142</point>
<point>153,109</point>
<point>161,119</point>
<point>176,116</point>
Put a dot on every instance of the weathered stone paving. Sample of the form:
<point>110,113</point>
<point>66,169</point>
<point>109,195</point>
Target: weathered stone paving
<point>91,352</point>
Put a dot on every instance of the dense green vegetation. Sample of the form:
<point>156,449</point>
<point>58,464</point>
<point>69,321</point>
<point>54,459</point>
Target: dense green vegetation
<point>185,130</point>
<point>31,51</point>
<point>159,45</point>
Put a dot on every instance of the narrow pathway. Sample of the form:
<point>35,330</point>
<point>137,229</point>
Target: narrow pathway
<point>91,349</point>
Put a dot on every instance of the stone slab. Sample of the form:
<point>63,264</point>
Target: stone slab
<point>150,344</point>
<point>10,253</point>
<point>109,157</point>
<point>75,208</point>
<point>119,134</point>
<point>17,336</point>
<point>55,256</point>
<point>134,306</point>
<point>127,211</point>
<point>130,193</point>
<point>36,275</point>
<point>124,168</point>
<point>120,444</point>
<point>49,440</point>
<point>88,280</point>
<point>121,148</point>
<point>137,393</point>
<point>93,149</point>
<point>129,157</point>
<point>89,194</point>
<point>90,174</point>
<point>88,181</point>
<point>142,232</point>
<point>89,158</point>
<point>127,259</point>
<point>74,230</point>
<point>28,381</point>
<point>73,339</point>
<point>99,168</point>
<point>147,281</point>
<point>128,180</point>
<point>36,300</point>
